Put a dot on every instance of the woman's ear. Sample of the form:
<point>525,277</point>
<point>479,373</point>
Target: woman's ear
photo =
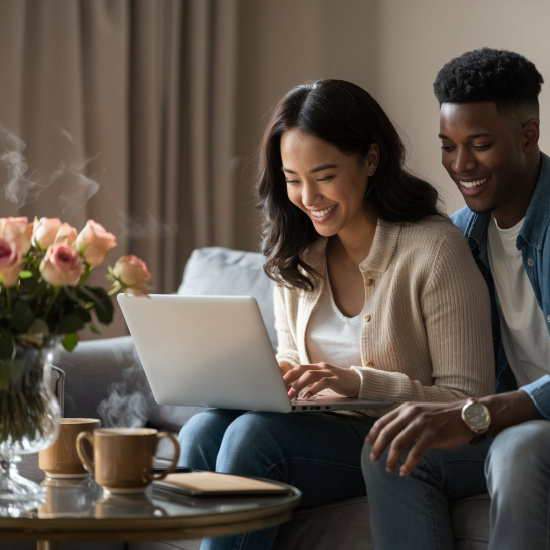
<point>373,156</point>
<point>530,133</point>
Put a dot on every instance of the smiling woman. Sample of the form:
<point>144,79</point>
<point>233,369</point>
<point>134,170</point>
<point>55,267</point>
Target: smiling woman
<point>377,297</point>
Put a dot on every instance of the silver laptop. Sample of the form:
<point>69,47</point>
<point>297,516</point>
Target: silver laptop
<point>214,351</point>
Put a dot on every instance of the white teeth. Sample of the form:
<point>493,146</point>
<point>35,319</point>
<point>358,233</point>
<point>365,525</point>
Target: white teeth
<point>471,184</point>
<point>321,213</point>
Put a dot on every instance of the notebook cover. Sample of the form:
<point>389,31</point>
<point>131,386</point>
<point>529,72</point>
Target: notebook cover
<point>216,484</point>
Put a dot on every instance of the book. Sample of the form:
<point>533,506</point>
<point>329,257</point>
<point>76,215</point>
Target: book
<point>216,484</point>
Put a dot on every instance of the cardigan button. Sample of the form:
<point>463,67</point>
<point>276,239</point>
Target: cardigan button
<point>369,282</point>
<point>367,318</point>
<point>369,364</point>
<point>531,262</point>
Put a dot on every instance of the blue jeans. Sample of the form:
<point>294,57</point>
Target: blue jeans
<point>319,453</point>
<point>412,512</point>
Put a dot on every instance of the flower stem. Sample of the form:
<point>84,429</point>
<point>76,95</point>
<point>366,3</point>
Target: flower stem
<point>116,287</point>
<point>7,289</point>
<point>52,301</point>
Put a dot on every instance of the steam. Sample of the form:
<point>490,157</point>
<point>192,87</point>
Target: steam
<point>130,402</point>
<point>21,189</point>
<point>82,187</point>
<point>152,227</point>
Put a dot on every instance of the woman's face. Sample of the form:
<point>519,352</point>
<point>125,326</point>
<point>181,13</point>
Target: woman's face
<point>325,183</point>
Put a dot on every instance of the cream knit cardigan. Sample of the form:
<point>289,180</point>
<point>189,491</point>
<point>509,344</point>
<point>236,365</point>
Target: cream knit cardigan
<point>427,332</point>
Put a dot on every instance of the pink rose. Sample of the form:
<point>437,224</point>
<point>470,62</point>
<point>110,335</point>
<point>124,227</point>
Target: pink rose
<point>17,229</point>
<point>45,231</point>
<point>11,261</point>
<point>94,243</point>
<point>132,274</point>
<point>62,265</point>
<point>66,234</point>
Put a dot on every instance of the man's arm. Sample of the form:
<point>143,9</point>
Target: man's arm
<point>440,425</point>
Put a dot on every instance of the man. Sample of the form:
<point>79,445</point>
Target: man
<point>419,456</point>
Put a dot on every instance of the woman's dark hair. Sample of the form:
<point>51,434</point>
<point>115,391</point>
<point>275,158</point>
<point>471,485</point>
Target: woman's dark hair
<point>345,115</point>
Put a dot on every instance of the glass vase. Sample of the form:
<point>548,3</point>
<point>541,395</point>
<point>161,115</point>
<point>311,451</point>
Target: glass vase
<point>29,422</point>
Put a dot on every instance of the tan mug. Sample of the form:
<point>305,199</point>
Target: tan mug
<point>60,459</point>
<point>123,458</point>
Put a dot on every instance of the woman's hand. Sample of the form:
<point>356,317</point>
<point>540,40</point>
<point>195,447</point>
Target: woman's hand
<point>284,367</point>
<point>322,376</point>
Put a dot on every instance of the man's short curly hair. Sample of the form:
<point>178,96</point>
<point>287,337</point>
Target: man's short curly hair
<point>505,78</point>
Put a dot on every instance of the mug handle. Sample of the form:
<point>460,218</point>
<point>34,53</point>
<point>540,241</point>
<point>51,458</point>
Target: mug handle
<point>174,463</point>
<point>87,460</point>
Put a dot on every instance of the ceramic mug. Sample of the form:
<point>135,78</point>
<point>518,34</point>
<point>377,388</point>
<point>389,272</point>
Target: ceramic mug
<point>124,458</point>
<point>60,459</point>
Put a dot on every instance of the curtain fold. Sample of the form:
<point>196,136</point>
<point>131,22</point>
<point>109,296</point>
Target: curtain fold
<point>123,112</point>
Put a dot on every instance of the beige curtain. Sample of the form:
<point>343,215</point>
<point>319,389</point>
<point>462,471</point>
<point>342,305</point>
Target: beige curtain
<point>122,111</point>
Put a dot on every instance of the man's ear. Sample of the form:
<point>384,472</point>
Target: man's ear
<point>530,133</point>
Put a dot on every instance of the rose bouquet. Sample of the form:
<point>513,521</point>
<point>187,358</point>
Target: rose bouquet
<point>45,300</point>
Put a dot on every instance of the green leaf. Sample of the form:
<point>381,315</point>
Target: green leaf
<point>69,323</point>
<point>72,293</point>
<point>14,367</point>
<point>22,316</point>
<point>70,341</point>
<point>103,305</point>
<point>6,346</point>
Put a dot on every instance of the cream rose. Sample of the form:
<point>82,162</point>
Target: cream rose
<point>62,265</point>
<point>66,234</point>
<point>17,229</point>
<point>133,275</point>
<point>94,243</point>
<point>11,261</point>
<point>45,232</point>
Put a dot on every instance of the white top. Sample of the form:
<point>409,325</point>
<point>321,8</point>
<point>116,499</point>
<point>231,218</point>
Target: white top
<point>332,337</point>
<point>522,324</point>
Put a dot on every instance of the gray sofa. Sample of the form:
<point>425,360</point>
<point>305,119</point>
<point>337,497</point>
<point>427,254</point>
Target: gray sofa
<point>104,378</point>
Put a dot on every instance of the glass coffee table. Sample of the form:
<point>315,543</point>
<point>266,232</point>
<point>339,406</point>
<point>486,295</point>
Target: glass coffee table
<point>78,510</point>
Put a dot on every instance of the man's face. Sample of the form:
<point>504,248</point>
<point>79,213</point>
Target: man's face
<point>482,152</point>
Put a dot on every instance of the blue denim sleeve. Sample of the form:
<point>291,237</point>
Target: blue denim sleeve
<point>539,392</point>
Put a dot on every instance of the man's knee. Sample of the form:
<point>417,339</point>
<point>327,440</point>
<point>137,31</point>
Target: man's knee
<point>520,452</point>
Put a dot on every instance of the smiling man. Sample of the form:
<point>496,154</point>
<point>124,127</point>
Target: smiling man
<point>420,456</point>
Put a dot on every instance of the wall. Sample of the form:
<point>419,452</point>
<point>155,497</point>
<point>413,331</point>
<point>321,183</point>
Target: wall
<point>393,48</point>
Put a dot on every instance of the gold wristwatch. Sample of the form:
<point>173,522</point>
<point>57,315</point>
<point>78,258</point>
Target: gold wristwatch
<point>478,419</point>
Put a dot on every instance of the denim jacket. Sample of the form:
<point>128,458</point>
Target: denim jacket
<point>533,242</point>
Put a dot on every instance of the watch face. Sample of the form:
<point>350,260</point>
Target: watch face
<point>476,415</point>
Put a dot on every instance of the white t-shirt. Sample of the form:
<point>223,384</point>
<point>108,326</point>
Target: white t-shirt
<point>523,327</point>
<point>331,336</point>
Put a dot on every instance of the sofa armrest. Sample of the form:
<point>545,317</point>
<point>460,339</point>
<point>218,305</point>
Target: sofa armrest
<point>104,379</point>
<point>94,371</point>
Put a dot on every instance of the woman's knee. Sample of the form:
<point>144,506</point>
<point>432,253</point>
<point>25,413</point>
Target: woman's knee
<point>251,444</point>
<point>201,436</point>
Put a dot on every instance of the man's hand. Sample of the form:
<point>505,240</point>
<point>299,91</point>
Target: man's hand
<point>439,425</point>
<point>322,376</point>
<point>422,425</point>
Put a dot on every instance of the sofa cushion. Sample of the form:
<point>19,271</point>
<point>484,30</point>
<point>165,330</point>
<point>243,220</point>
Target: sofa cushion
<point>217,270</point>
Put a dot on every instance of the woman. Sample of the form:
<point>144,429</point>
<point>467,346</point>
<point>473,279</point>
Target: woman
<point>377,297</point>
